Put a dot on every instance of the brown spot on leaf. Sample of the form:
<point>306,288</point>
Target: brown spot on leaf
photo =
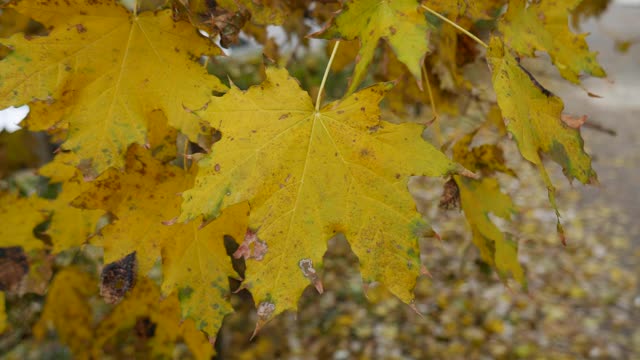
<point>145,328</point>
<point>252,247</point>
<point>117,278</point>
<point>265,311</point>
<point>306,265</point>
<point>574,121</point>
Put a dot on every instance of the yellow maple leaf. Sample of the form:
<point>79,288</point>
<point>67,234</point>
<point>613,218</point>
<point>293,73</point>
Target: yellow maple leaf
<point>478,199</point>
<point>70,226</point>
<point>482,197</point>
<point>309,174</point>
<point>20,215</point>
<point>145,301</point>
<point>68,298</point>
<point>61,168</point>
<point>485,158</point>
<point>141,199</point>
<point>544,26</point>
<point>93,54</point>
<point>196,265</point>
<point>398,22</point>
<point>533,117</point>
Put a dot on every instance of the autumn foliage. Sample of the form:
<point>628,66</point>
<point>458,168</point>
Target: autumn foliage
<point>157,160</point>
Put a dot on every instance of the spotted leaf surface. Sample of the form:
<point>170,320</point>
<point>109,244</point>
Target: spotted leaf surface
<point>195,263</point>
<point>155,320</point>
<point>534,118</point>
<point>310,174</point>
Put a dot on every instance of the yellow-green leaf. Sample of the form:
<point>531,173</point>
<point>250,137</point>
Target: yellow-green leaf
<point>485,158</point>
<point>20,216</point>
<point>310,174</point>
<point>398,22</point>
<point>60,168</point>
<point>70,226</point>
<point>478,199</point>
<point>544,26</point>
<point>94,52</point>
<point>68,298</point>
<point>144,301</point>
<point>533,117</point>
<point>196,265</point>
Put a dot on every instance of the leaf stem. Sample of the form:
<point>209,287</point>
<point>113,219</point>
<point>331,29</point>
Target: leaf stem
<point>326,74</point>
<point>185,154</point>
<point>466,32</point>
<point>436,116</point>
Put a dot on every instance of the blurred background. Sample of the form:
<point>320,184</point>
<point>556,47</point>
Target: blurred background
<point>583,300</point>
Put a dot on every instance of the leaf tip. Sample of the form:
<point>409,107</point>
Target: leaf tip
<point>170,221</point>
<point>415,309</point>
<point>424,271</point>
<point>468,173</point>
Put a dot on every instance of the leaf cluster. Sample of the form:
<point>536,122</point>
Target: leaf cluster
<point>158,160</point>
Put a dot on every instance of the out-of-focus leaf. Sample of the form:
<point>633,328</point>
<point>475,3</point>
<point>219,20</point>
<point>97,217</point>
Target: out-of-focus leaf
<point>164,325</point>
<point>17,151</point>
<point>67,311</point>
<point>20,215</point>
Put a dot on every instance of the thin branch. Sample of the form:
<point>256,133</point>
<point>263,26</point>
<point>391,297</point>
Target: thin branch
<point>466,32</point>
<point>436,116</point>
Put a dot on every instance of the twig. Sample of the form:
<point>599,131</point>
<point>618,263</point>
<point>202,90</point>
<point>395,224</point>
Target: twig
<point>436,116</point>
<point>466,32</point>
